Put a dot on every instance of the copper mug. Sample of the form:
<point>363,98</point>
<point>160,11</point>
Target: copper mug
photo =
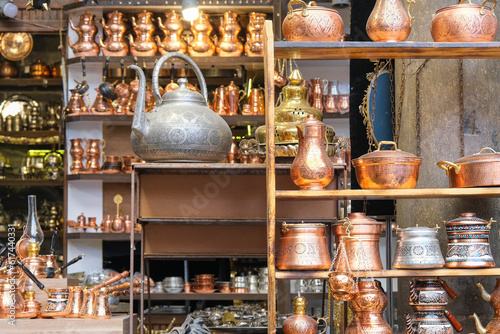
<point>234,97</point>
<point>256,101</point>
<point>221,103</point>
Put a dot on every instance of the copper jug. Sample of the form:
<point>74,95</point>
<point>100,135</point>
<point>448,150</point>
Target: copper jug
<point>317,93</point>
<point>144,45</point>
<point>312,169</point>
<point>76,104</point>
<point>389,22</point>
<point>173,31</point>
<point>493,326</point>
<point>121,104</point>
<point>134,91</point>
<point>256,101</point>
<point>368,305</point>
<point>229,45</point>
<point>254,45</point>
<point>86,29</point>
<point>303,247</point>
<point>363,253</point>
<point>221,103</point>
<point>117,225</point>
<point>9,295</point>
<point>300,322</point>
<point>201,45</point>
<point>234,97</point>
<point>76,151</point>
<point>115,45</point>
<point>101,105</point>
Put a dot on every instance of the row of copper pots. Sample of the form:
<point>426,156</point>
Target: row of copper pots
<point>200,44</point>
<point>37,70</point>
<point>390,22</point>
<point>227,101</point>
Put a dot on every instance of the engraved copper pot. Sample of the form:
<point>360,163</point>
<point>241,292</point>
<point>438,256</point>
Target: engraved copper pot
<point>493,326</point>
<point>312,23</point>
<point>438,321</point>
<point>387,169</point>
<point>86,29</point>
<point>428,293</point>
<point>39,70</point>
<point>201,45</point>
<point>312,169</point>
<point>173,31</point>
<point>143,45</point>
<point>389,22</point>
<point>417,247</point>
<point>75,300</point>
<point>89,297</point>
<point>229,45</point>
<point>254,45</point>
<point>368,305</point>
<point>477,170</point>
<point>468,242</point>
<point>303,247</point>
<point>76,104</point>
<point>465,22</point>
<point>368,231</point>
<point>101,305</point>
<point>300,322</point>
<point>115,45</point>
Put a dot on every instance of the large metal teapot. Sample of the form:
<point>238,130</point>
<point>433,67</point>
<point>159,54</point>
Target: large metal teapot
<point>181,128</point>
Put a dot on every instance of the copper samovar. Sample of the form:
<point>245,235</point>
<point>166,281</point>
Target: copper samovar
<point>115,45</point>
<point>173,31</point>
<point>86,29</point>
<point>201,45</point>
<point>493,326</point>
<point>229,45</point>
<point>144,45</point>
<point>254,46</point>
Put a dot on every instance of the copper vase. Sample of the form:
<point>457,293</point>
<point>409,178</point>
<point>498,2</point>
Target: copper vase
<point>143,45</point>
<point>76,152</point>
<point>389,22</point>
<point>256,101</point>
<point>317,92</point>
<point>363,255</point>
<point>201,45</point>
<point>229,45</point>
<point>254,45</point>
<point>311,169</point>
<point>86,29</point>
<point>173,31</point>
<point>303,247</point>
<point>115,45</point>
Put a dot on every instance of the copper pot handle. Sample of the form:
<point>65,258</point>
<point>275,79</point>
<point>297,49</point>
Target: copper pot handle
<point>494,2</point>
<point>325,320</point>
<point>380,143</point>
<point>446,165</point>
<point>462,1</point>
<point>111,280</point>
<point>298,2</point>
<point>453,321</point>
<point>410,2</point>
<point>448,289</point>
<point>487,148</point>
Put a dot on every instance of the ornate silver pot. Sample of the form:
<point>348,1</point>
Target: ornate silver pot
<point>417,247</point>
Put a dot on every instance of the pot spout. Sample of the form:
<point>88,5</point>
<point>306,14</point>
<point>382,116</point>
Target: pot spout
<point>140,125</point>
<point>486,296</point>
<point>479,327</point>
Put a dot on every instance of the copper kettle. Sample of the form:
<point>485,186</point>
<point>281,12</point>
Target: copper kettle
<point>114,29</point>
<point>493,326</point>
<point>300,322</point>
<point>86,29</point>
<point>173,31</point>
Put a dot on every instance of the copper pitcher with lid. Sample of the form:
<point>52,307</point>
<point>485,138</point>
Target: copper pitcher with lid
<point>143,45</point>
<point>115,45</point>
<point>76,104</point>
<point>303,247</point>
<point>201,45</point>
<point>389,22</point>
<point>254,45</point>
<point>234,97</point>
<point>299,322</point>
<point>229,45</point>
<point>312,169</point>
<point>86,29</point>
<point>172,28</point>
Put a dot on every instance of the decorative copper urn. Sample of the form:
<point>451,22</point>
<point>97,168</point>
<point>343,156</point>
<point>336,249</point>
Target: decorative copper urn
<point>173,31</point>
<point>363,252</point>
<point>493,326</point>
<point>86,29</point>
<point>303,247</point>
<point>115,45</point>
<point>254,45</point>
<point>300,322</point>
<point>229,45</point>
<point>312,169</point>
<point>201,45</point>
<point>143,45</point>
<point>389,22</point>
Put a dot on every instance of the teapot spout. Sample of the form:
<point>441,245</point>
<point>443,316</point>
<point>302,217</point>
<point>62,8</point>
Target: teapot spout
<point>140,124</point>
<point>409,325</point>
<point>486,296</point>
<point>479,327</point>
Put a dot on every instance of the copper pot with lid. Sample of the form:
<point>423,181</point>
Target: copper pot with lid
<point>387,169</point>
<point>417,248</point>
<point>468,242</point>
<point>477,170</point>
<point>303,247</point>
<point>465,22</point>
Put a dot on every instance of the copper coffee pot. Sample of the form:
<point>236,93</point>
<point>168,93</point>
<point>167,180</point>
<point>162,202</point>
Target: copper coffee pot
<point>234,97</point>
<point>75,301</point>
<point>101,105</point>
<point>50,259</point>
<point>300,322</point>
<point>317,93</point>
<point>173,31</point>
<point>201,45</point>
<point>254,46</point>
<point>121,104</point>
<point>221,103</point>
<point>115,45</point>
<point>86,29</point>
<point>144,45</point>
<point>93,152</point>
<point>7,294</point>
<point>493,326</point>
<point>229,45</point>
<point>76,104</point>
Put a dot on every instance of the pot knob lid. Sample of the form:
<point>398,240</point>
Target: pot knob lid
<point>183,94</point>
<point>467,218</point>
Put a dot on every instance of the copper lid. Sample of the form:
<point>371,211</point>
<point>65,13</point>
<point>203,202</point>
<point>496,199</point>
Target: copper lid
<point>494,156</point>
<point>467,218</point>
<point>384,156</point>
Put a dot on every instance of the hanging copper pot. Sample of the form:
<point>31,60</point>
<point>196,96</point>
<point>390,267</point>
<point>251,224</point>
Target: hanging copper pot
<point>363,255</point>
<point>465,22</point>
<point>303,247</point>
<point>312,23</point>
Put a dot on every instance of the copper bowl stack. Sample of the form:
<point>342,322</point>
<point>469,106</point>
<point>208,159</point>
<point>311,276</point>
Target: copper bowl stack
<point>204,283</point>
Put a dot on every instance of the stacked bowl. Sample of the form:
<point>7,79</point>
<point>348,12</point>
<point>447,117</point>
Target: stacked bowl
<point>173,284</point>
<point>204,283</point>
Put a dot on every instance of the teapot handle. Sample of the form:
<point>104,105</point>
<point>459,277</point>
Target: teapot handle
<point>156,72</point>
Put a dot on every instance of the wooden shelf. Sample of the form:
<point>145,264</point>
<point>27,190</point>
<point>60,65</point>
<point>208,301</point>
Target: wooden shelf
<point>30,82</point>
<point>223,221</point>
<point>107,178</point>
<point>242,120</point>
<point>182,256</point>
<point>103,236</point>
<point>30,183</point>
<point>402,273</point>
<point>203,296</point>
<point>335,115</point>
<point>387,194</point>
<point>30,134</point>
<point>385,50</point>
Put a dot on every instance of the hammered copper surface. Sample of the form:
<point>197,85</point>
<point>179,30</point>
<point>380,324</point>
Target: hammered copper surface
<point>201,45</point>
<point>229,28</point>
<point>86,29</point>
<point>388,22</point>
<point>143,45</point>
<point>172,28</point>
<point>114,28</point>
<point>254,45</point>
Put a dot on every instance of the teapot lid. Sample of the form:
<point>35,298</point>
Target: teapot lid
<point>183,94</point>
<point>467,218</point>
